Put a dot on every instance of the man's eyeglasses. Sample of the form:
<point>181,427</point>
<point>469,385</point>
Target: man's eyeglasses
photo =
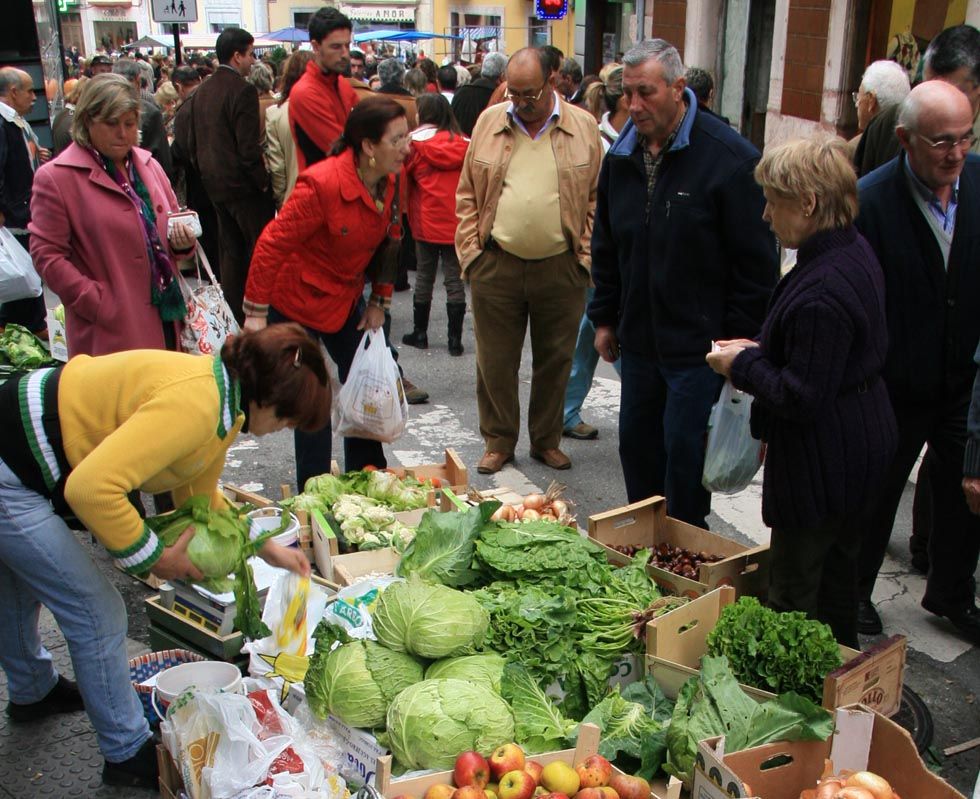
<point>946,145</point>
<point>526,97</point>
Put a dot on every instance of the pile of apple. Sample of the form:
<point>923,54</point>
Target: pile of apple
<point>506,774</point>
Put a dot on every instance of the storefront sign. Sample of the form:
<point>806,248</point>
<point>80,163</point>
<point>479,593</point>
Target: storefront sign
<point>371,13</point>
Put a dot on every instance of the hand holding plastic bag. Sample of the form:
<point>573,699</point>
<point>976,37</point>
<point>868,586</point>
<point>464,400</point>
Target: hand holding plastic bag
<point>18,278</point>
<point>372,401</point>
<point>733,456</point>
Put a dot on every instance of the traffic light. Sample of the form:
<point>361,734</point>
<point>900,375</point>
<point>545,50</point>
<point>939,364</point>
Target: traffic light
<point>551,9</point>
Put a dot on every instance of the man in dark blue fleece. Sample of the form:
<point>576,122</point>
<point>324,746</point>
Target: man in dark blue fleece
<point>921,214</point>
<point>680,257</point>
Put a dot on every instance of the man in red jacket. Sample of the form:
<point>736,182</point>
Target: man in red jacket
<point>322,99</point>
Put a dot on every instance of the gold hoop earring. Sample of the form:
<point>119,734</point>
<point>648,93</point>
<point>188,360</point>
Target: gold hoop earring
<point>372,162</point>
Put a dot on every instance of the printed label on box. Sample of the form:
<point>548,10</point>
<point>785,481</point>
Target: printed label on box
<point>360,754</point>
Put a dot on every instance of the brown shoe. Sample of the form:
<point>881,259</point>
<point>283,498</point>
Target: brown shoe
<point>554,458</point>
<point>493,462</point>
<point>413,394</point>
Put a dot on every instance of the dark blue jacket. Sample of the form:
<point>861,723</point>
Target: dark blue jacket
<point>820,403</point>
<point>704,264</point>
<point>933,312</point>
<point>16,176</point>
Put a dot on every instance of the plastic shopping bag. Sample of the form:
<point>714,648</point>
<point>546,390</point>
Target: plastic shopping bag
<point>18,278</point>
<point>372,401</point>
<point>733,456</point>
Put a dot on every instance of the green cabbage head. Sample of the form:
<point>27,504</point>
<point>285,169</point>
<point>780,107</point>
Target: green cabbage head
<point>485,667</point>
<point>428,620</point>
<point>433,721</point>
<point>357,681</point>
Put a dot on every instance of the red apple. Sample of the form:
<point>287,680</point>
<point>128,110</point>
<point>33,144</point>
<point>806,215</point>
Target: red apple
<point>534,768</point>
<point>469,792</point>
<point>509,757</point>
<point>440,791</point>
<point>471,769</point>
<point>589,793</point>
<point>630,787</point>
<point>555,795</point>
<point>594,771</point>
<point>516,784</point>
<point>404,796</point>
<point>608,792</point>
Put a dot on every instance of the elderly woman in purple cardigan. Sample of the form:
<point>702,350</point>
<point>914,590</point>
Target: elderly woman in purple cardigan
<point>819,401</point>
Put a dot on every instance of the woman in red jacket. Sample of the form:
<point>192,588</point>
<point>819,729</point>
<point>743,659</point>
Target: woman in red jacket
<point>438,150</point>
<point>309,263</point>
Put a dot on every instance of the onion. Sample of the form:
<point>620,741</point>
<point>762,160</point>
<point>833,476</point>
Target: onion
<point>827,789</point>
<point>869,781</point>
<point>498,514</point>
<point>505,513</point>
<point>854,793</point>
<point>535,501</point>
<point>530,515</point>
<point>549,516</point>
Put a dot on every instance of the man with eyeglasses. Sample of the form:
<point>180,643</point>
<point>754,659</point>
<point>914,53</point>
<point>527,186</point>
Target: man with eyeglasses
<point>525,202</point>
<point>920,213</point>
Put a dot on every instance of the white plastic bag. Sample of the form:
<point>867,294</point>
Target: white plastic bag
<point>372,401</point>
<point>18,278</point>
<point>733,456</point>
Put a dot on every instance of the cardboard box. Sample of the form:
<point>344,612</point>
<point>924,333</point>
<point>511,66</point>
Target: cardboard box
<point>646,524</point>
<point>588,744</point>
<point>451,472</point>
<point>677,641</point>
<point>863,741</point>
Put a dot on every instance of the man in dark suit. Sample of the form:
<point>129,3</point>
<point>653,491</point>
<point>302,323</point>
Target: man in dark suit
<point>20,155</point>
<point>225,146</point>
<point>921,213</point>
<point>470,99</point>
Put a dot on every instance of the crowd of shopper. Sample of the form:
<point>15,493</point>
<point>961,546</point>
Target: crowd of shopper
<point>615,216</point>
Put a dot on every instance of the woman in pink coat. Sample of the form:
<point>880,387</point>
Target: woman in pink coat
<point>99,234</point>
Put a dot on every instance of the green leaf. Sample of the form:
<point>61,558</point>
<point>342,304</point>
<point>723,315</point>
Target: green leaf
<point>444,544</point>
<point>538,724</point>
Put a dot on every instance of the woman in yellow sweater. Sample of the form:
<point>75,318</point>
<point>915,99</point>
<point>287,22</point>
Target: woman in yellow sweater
<point>77,439</point>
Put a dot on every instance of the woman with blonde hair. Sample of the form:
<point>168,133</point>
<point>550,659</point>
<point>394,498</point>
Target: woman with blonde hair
<point>280,149</point>
<point>820,404</point>
<point>606,101</point>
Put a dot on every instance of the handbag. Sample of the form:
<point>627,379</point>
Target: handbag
<point>18,277</point>
<point>209,319</point>
<point>383,266</point>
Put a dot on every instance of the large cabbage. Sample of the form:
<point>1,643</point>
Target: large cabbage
<point>357,681</point>
<point>485,667</point>
<point>431,722</point>
<point>431,621</point>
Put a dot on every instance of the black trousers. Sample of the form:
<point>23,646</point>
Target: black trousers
<point>240,222</point>
<point>954,544</point>
<point>30,312</point>
<point>814,570</point>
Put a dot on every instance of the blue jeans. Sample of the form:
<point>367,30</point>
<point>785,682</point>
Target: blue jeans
<point>42,563</point>
<point>314,450</point>
<point>584,361</point>
<point>663,424</point>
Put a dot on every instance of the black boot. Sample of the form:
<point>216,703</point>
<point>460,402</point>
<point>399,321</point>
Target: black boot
<point>140,771</point>
<point>456,312</point>
<point>419,337</point>
<point>63,698</point>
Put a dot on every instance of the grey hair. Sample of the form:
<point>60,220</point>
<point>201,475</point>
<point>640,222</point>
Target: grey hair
<point>659,50</point>
<point>391,70</point>
<point>10,78</point>
<point>953,49</point>
<point>908,113</point>
<point>105,98</point>
<point>888,81</point>
<point>494,65</point>
<point>462,75</point>
<point>129,69</point>
<point>570,67</point>
<point>260,76</point>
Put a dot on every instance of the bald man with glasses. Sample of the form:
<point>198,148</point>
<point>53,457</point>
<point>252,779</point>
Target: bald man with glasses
<point>921,214</point>
<point>525,202</point>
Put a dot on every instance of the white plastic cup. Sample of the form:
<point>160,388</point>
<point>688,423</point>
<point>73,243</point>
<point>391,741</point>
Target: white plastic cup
<point>203,674</point>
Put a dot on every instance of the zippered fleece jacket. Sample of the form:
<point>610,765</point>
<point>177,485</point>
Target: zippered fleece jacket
<point>701,263</point>
<point>87,434</point>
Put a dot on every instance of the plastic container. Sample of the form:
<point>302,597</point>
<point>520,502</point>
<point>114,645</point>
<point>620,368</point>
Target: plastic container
<point>262,520</point>
<point>213,675</point>
<point>143,667</point>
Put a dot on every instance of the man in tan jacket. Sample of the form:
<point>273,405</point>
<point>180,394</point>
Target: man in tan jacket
<point>525,203</point>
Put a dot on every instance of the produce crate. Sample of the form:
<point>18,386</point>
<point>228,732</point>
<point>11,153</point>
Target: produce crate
<point>451,472</point>
<point>170,781</point>
<point>677,641</point>
<point>239,496</point>
<point>177,627</point>
<point>646,524</point>
<point>588,744</point>
<point>864,741</point>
